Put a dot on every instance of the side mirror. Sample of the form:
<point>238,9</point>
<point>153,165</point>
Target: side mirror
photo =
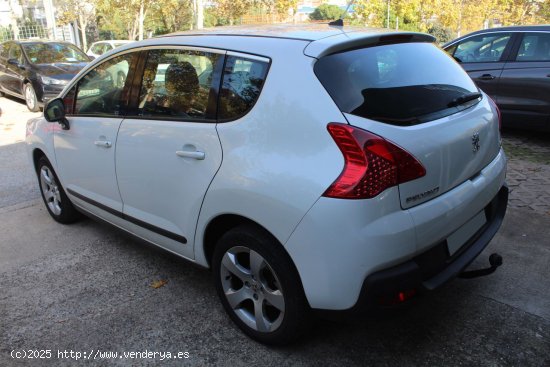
<point>55,112</point>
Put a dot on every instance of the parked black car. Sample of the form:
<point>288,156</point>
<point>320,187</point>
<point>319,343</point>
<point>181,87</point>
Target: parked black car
<point>38,70</point>
<point>512,65</point>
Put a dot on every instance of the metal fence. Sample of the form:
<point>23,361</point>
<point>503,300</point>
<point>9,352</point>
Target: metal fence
<point>36,32</point>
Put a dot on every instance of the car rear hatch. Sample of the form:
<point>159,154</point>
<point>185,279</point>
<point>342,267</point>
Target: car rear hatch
<point>415,96</point>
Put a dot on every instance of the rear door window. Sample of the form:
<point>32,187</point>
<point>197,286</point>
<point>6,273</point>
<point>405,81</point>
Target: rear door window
<point>399,84</point>
<point>534,47</point>
<point>243,80</point>
<point>482,48</point>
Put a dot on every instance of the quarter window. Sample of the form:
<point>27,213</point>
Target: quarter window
<point>242,83</point>
<point>177,84</point>
<point>534,47</point>
<point>100,91</point>
<point>482,48</point>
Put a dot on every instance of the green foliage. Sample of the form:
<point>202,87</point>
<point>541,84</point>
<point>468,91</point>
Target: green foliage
<point>326,12</point>
<point>442,34</point>
<point>282,6</point>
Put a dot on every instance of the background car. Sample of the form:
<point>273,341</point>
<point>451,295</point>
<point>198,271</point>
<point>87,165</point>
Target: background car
<point>38,70</point>
<point>512,65</point>
<point>99,48</point>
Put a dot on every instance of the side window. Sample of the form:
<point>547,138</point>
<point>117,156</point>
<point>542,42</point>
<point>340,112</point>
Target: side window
<point>15,53</point>
<point>534,47</point>
<point>177,84</point>
<point>96,49</point>
<point>482,48</point>
<point>242,83</point>
<point>100,91</point>
<point>68,101</point>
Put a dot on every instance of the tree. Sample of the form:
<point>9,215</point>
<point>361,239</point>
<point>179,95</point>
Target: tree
<point>80,11</point>
<point>283,6</point>
<point>371,12</point>
<point>232,9</point>
<point>171,16</point>
<point>326,12</point>
<point>131,13</point>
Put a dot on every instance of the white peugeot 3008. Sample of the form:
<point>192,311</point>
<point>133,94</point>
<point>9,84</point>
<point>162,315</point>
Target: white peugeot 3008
<point>310,167</point>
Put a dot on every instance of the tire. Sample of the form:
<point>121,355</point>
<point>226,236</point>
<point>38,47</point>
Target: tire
<point>58,204</point>
<point>259,286</point>
<point>30,98</point>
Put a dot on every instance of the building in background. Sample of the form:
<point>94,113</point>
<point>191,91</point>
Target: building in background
<point>28,19</point>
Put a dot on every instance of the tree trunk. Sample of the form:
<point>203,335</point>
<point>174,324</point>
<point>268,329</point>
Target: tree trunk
<point>82,24</point>
<point>141,18</point>
<point>200,15</point>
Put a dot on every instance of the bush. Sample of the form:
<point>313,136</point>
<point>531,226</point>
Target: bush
<point>441,34</point>
<point>326,12</point>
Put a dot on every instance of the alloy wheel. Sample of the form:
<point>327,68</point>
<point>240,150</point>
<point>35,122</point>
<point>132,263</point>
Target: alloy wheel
<point>252,289</point>
<point>50,188</point>
<point>30,97</point>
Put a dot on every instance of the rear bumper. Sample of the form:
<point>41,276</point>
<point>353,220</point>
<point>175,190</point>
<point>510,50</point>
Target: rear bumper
<point>433,268</point>
<point>341,247</point>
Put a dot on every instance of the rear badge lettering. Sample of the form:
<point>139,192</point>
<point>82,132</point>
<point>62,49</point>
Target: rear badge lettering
<point>422,195</point>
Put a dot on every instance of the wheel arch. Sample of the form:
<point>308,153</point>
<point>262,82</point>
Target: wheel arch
<point>38,153</point>
<point>221,224</point>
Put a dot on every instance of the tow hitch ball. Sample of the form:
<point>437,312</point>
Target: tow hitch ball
<point>495,260</point>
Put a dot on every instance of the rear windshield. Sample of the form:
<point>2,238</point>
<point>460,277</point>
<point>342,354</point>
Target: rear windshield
<point>400,84</point>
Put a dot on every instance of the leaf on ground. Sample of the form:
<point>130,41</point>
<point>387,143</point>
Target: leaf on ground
<point>159,283</point>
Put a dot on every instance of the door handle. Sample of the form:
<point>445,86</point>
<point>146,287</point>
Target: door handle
<point>190,154</point>
<point>487,77</point>
<point>103,143</point>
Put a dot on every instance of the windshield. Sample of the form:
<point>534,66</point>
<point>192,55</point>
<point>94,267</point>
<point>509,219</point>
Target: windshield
<point>49,53</point>
<point>399,84</point>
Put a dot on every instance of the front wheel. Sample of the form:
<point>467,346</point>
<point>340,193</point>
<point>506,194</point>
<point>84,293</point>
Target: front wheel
<point>58,204</point>
<point>259,286</point>
<point>30,98</point>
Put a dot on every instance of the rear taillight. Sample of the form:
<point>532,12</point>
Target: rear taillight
<point>371,164</point>
<point>492,101</point>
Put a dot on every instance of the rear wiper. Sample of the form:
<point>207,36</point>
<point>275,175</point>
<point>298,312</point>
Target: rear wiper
<point>463,99</point>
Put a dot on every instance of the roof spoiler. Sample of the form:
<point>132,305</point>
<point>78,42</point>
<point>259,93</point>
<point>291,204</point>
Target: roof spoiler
<point>353,40</point>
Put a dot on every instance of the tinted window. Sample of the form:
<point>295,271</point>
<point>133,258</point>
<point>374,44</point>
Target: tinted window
<point>49,53</point>
<point>98,49</point>
<point>68,101</point>
<point>482,48</point>
<point>100,91</point>
<point>534,47</point>
<point>401,84</point>
<point>177,84</point>
<point>15,53</point>
<point>242,82</point>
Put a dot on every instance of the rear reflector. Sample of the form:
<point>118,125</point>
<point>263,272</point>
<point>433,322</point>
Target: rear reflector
<point>371,164</point>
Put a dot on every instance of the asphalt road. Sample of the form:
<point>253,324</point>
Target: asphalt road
<point>87,288</point>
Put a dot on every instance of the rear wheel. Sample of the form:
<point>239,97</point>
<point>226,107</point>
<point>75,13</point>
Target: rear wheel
<point>259,286</point>
<point>58,204</point>
<point>30,98</point>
